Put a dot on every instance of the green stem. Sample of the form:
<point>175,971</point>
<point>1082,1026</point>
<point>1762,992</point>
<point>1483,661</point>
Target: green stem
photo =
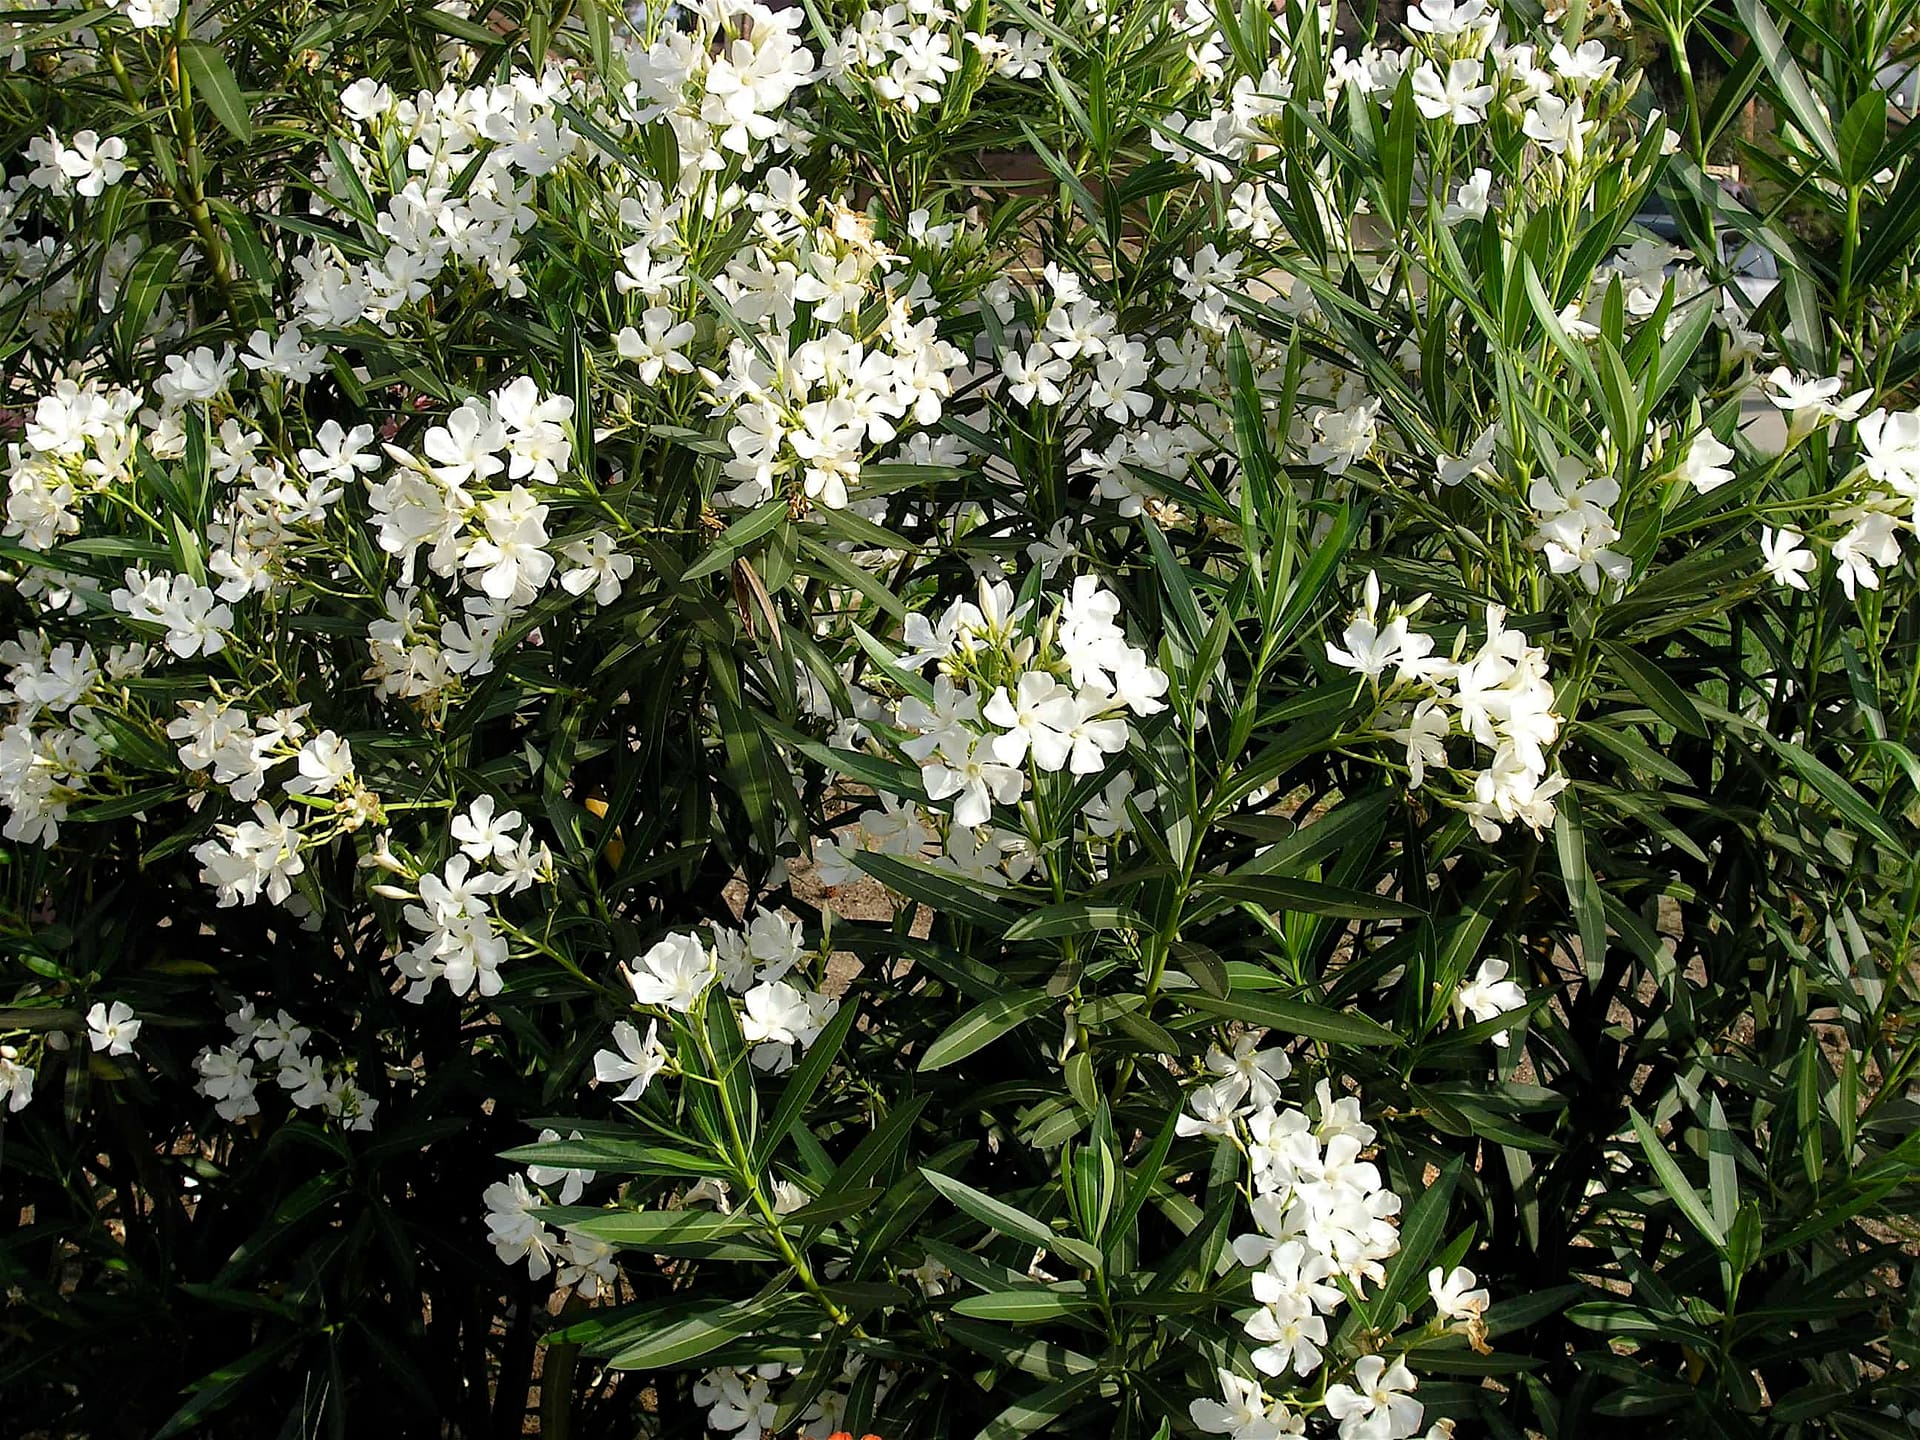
<point>749,1177</point>
<point>1849,248</point>
<point>188,192</point>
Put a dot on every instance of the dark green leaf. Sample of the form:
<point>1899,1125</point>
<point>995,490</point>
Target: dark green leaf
<point>940,891</point>
<point>695,1233</point>
<point>213,82</point>
<point>1013,1223</point>
<point>1295,1017</point>
<point>1024,1306</point>
<point>1808,116</point>
<point>984,1024</point>
<point>1650,685</point>
<point>1667,1171</point>
<point>1309,897</point>
<point>807,1078</point>
<point>1073,917</point>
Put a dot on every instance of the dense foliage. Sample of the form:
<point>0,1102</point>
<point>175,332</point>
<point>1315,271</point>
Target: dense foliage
<point>1075,716</point>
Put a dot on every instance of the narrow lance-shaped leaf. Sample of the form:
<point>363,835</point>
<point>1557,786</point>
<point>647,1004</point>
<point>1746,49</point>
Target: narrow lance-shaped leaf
<point>1296,1017</point>
<point>1667,1171</point>
<point>1007,1220</point>
<point>1807,114</point>
<point>672,1232</point>
<point>687,1339</point>
<point>1073,917</point>
<point>1583,891</point>
<point>213,82</point>
<point>939,891</point>
<point>1024,1306</point>
<point>807,1078</point>
<point>1311,897</point>
<point>984,1024</point>
<point>1039,1409</point>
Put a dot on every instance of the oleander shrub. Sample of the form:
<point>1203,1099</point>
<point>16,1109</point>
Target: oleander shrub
<point>1092,717</point>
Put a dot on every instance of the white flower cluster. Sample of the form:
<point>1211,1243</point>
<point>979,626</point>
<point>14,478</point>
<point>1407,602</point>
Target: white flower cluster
<point>196,621</point>
<point>84,166</point>
<point>219,737</point>
<point>1575,525</point>
<point>895,827</point>
<point>760,970</point>
<point>451,504</point>
<point>1323,1216</point>
<point>742,1401</point>
<point>1230,130</point>
<point>79,442</point>
<point>1645,269</point>
<point>461,941</point>
<point>472,501</point>
<point>413,659</point>
<point>724,83</point>
<point>508,134</point>
<point>905,55</point>
<point>270,510</point>
<point>585,1265</point>
<point>254,857</point>
<point>1059,697</point>
<point>764,966</point>
<point>1073,350</point>
<point>835,361</point>
<point>1012,692</point>
<point>1890,458</point>
<point>49,744</point>
<point>1500,697</point>
<point>263,855</point>
<point>1188,363</point>
<point>200,376</point>
<point>228,1074</point>
<point>1884,499</point>
<point>39,281</point>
